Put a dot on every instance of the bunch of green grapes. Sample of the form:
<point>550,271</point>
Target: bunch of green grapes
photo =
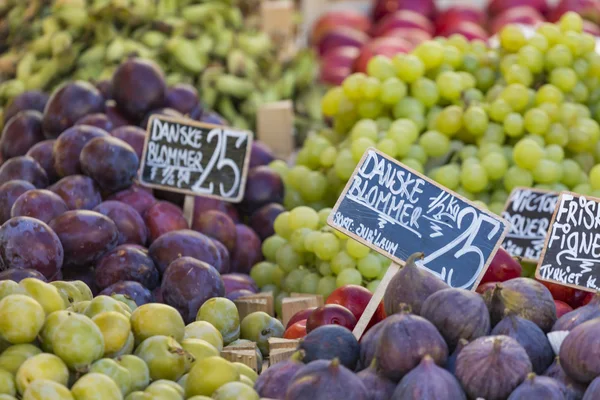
<point>307,256</point>
<point>476,119</point>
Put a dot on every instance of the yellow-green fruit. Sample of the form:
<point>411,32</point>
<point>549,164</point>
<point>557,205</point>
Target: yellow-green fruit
<point>7,383</point>
<point>259,327</point>
<point>245,370</point>
<point>94,386</point>
<point>80,306</point>
<point>102,304</point>
<point>8,287</point>
<point>41,366</point>
<point>205,331</point>
<point>126,349</point>
<point>235,391</point>
<point>139,395</point>
<point>182,381</point>
<point>69,293</point>
<point>115,328</point>
<point>21,318</point>
<point>163,391</point>
<point>7,397</point>
<point>119,374</point>
<point>166,359</point>
<point>13,357</point>
<point>84,289</point>
<point>199,398</point>
<point>208,375</point>
<point>43,389</point>
<point>128,301</point>
<point>138,370</point>
<point>199,348</point>
<point>223,315</point>
<point>144,322</point>
<point>246,381</point>
<point>78,341</point>
<point>171,384</point>
<point>44,293</point>
<point>52,322</point>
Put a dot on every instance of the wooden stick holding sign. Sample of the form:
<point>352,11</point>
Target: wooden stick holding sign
<point>277,19</point>
<point>275,127</point>
<point>397,212</point>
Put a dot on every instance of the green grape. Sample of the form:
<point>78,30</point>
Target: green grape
<point>450,85</point>
<point>408,67</point>
<point>281,225</point>
<point>554,153</point>
<point>314,187</point>
<point>475,120</point>
<point>580,92</point>
<point>348,277</point>
<point>551,32</point>
<point>448,176</point>
<point>341,261</point>
<point>370,88</point>
<point>425,90</point>
<point>271,245</point>
<point>487,148</point>
<point>547,171</point>
<point>518,74</point>
<point>327,284</point>
<point>298,238</point>
<point>449,121</point>
<point>495,165</point>
<point>595,177</point>
<point>514,124</point>
<point>359,146</point>
<point>499,196</point>
<point>369,266</point>
<point>280,167</point>
<point>262,273</point>
<point>559,56</point>
<point>303,217</point>
<point>365,128</point>
<point>372,286</point>
<point>381,68</point>
<point>417,152</point>
<point>392,90</point>
<point>310,283</point>
<point>486,77</point>
<point>473,177</point>
<point>563,78</point>
<point>356,249</point>
<point>532,58</point>
<point>493,134</point>
<point>539,41</point>
<point>549,94</point>
<point>570,21</point>
<point>431,54</point>
<point>408,107</point>
<point>352,86</point>
<point>571,173</point>
<point>288,259</point>
<point>512,38</point>
<point>452,56</point>
<point>434,143</point>
<point>537,121</point>
<point>517,95</point>
<point>344,165</point>
<point>296,175</point>
<point>383,123</point>
<point>414,164</point>
<point>324,215</point>
<point>324,268</point>
<point>528,153</point>
<point>468,151</point>
<point>293,281</point>
<point>557,134</point>
<point>327,246</point>
<point>331,101</point>
<point>517,176</point>
<point>583,188</point>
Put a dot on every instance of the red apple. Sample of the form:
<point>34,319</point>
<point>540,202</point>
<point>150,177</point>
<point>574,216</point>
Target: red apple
<point>559,292</point>
<point>588,298</point>
<point>518,15</point>
<point>502,268</point>
<point>459,13</point>
<point>470,30</point>
<point>300,315</point>
<point>412,35</point>
<point>562,308</point>
<point>296,331</point>
<point>382,8</point>
<point>341,36</point>
<point>580,298</point>
<point>498,6</point>
<point>588,9</point>
<point>402,19</point>
<point>355,298</point>
<point>337,64</point>
<point>385,46</point>
<point>337,18</point>
<point>484,287</point>
<point>330,314</point>
<point>591,28</point>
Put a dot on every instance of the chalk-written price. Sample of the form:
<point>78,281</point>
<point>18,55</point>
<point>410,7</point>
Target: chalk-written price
<point>194,158</point>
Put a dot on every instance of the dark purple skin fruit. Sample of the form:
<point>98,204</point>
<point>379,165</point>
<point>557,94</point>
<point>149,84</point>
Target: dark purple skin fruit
<point>174,198</point>
<point>235,281</point>
<point>42,152</point>
<point>30,100</point>
<point>368,345</point>
<point>126,263</point>
<point>574,389</point>
<point>9,193</point>
<point>41,204</point>
<point>28,243</point>
<point>217,225</point>
<point>262,220</point>
<point>579,352</point>
<point>578,316</point>
<point>328,342</point>
<point>182,97</point>
<point>131,289</point>
<point>451,361</point>
<point>157,293</point>
<point>163,112</point>
<point>138,87</point>
<point>99,120</point>
<point>24,168</point>
<point>203,204</point>
<point>491,367</point>
<point>137,197</point>
<point>114,115</point>
<point>592,391</point>
<point>378,387</point>
<point>68,104</point>
<point>17,275</point>
<point>105,88</point>
<point>133,136</point>
<point>238,293</point>
<point>111,162</point>
<point>188,283</point>
<point>184,243</point>
<point>260,154</point>
<point>79,192</point>
<point>164,217</point>
<point>68,146</point>
<point>211,117</point>
<point>85,235</point>
<point>130,224</point>
<point>427,381</point>
<point>539,387</point>
<point>263,186</point>
<point>225,266</point>
<point>20,133</point>
<point>85,274</point>
<point>274,381</point>
<point>247,250</point>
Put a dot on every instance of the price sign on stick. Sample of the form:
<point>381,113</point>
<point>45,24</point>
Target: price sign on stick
<point>192,158</point>
<point>571,255</point>
<point>529,212</point>
<point>397,211</point>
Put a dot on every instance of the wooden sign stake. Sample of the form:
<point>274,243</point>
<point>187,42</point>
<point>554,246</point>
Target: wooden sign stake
<point>277,19</point>
<point>366,316</point>
<point>257,302</point>
<point>188,209</point>
<point>291,305</point>
<point>275,127</point>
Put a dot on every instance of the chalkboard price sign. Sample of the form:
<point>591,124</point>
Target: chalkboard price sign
<point>571,255</point>
<point>529,212</point>
<point>397,211</point>
<point>198,159</point>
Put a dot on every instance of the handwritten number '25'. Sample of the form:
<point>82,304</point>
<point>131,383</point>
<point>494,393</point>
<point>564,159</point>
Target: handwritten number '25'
<point>222,161</point>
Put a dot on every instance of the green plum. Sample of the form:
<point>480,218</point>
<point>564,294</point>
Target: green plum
<point>138,370</point>
<point>242,342</point>
<point>7,383</point>
<point>41,366</point>
<point>53,321</point>
<point>183,380</point>
<point>208,374</point>
<point>128,301</point>
<point>13,357</point>
<point>163,392</point>
<point>245,370</point>
<point>171,384</point>
<point>21,318</point>
<point>199,348</point>
<point>165,357</point>
<point>44,389</point>
<point>235,391</point>
<point>44,293</point>
<point>84,289</point>
<point>94,386</point>
<point>246,381</point>
<point>114,371</point>
<point>79,307</point>
<point>8,287</point>
<point>259,327</point>
<point>205,331</point>
<point>69,293</point>
<point>126,349</point>
<point>138,395</point>
<point>103,304</point>
<point>78,341</point>
<point>223,315</point>
<point>115,328</point>
<point>144,322</point>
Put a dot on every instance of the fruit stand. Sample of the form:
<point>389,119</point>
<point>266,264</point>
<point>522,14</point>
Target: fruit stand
<point>261,200</point>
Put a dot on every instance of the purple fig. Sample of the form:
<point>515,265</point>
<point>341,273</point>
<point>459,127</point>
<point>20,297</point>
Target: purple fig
<point>428,382</point>
<point>574,389</point>
<point>579,352</point>
<point>592,391</point>
<point>274,381</point>
<point>368,344</point>
<point>328,342</point>
<point>491,367</point>
<point>539,387</point>
<point>578,316</point>
<point>525,297</point>
<point>379,387</point>
<point>451,362</point>
<point>411,285</point>
<point>471,322</point>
